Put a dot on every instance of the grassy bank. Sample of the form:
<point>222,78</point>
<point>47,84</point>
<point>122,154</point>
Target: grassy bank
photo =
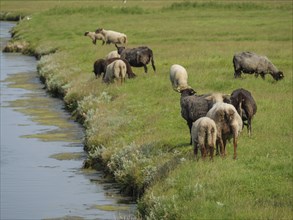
<point>136,132</point>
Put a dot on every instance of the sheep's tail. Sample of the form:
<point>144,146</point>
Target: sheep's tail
<point>211,137</point>
<point>121,71</point>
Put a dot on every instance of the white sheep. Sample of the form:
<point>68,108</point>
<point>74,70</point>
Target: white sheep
<point>112,54</point>
<point>229,124</point>
<point>112,36</point>
<point>179,77</point>
<point>95,36</point>
<point>204,136</point>
<point>115,70</point>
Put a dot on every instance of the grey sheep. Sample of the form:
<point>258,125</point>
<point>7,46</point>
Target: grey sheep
<point>229,125</point>
<point>245,105</point>
<point>204,136</point>
<point>248,62</point>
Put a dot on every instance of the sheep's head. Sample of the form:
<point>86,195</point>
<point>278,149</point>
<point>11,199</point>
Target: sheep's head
<point>188,91</point>
<point>119,49</point>
<point>278,76</point>
<point>86,33</point>
<point>99,30</point>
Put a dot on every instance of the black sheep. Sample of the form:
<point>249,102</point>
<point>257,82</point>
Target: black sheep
<point>137,57</point>
<point>245,106</point>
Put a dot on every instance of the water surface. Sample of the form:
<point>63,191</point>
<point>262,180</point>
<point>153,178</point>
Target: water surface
<point>42,152</point>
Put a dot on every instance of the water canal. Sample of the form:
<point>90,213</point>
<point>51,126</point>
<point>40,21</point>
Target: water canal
<point>42,153</point>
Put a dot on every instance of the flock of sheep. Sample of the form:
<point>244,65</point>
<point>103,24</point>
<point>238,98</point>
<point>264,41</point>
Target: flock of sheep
<point>213,118</point>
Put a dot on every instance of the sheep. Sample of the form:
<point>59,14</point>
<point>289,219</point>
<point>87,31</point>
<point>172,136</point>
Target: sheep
<point>178,77</point>
<point>245,105</point>
<point>95,36</point>
<point>195,106</point>
<point>112,36</point>
<point>100,66</point>
<point>137,57</point>
<point>115,70</point>
<point>112,54</point>
<point>229,124</point>
<point>248,62</point>
<point>204,136</point>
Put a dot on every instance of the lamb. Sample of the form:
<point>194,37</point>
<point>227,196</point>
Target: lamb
<point>229,124</point>
<point>112,54</point>
<point>248,62</point>
<point>204,136</point>
<point>245,105</point>
<point>95,36</point>
<point>137,57</point>
<point>100,66</point>
<point>112,36</point>
<point>115,70</point>
<point>195,106</point>
<point>178,77</point>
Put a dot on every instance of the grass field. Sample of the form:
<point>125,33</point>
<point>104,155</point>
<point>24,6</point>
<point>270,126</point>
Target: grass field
<point>136,130</point>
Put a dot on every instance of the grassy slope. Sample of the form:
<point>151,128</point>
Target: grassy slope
<point>137,128</point>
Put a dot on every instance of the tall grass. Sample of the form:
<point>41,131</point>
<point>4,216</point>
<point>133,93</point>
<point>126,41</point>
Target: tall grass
<point>136,131</point>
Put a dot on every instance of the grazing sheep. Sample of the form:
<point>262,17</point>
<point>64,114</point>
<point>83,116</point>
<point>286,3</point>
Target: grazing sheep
<point>95,36</point>
<point>112,36</point>
<point>137,57</point>
<point>112,54</point>
<point>245,105</point>
<point>204,136</point>
<point>194,106</point>
<point>250,63</point>
<point>229,124</point>
<point>100,66</point>
<point>115,70</point>
<point>178,77</point>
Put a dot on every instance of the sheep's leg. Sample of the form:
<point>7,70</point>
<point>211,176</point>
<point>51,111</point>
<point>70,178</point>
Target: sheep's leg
<point>224,147</point>
<point>145,68</point>
<point>217,147</point>
<point>153,64</point>
<point>195,150</point>
<point>189,123</point>
<point>235,146</point>
<point>249,126</point>
<point>211,152</point>
<point>203,151</point>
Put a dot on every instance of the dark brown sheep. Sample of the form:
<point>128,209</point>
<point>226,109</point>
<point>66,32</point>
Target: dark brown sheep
<point>137,57</point>
<point>245,105</point>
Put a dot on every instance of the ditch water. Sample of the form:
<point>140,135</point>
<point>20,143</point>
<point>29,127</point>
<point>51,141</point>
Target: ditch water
<point>42,153</point>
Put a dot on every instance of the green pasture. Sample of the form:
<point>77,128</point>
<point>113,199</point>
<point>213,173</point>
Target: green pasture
<point>136,130</point>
